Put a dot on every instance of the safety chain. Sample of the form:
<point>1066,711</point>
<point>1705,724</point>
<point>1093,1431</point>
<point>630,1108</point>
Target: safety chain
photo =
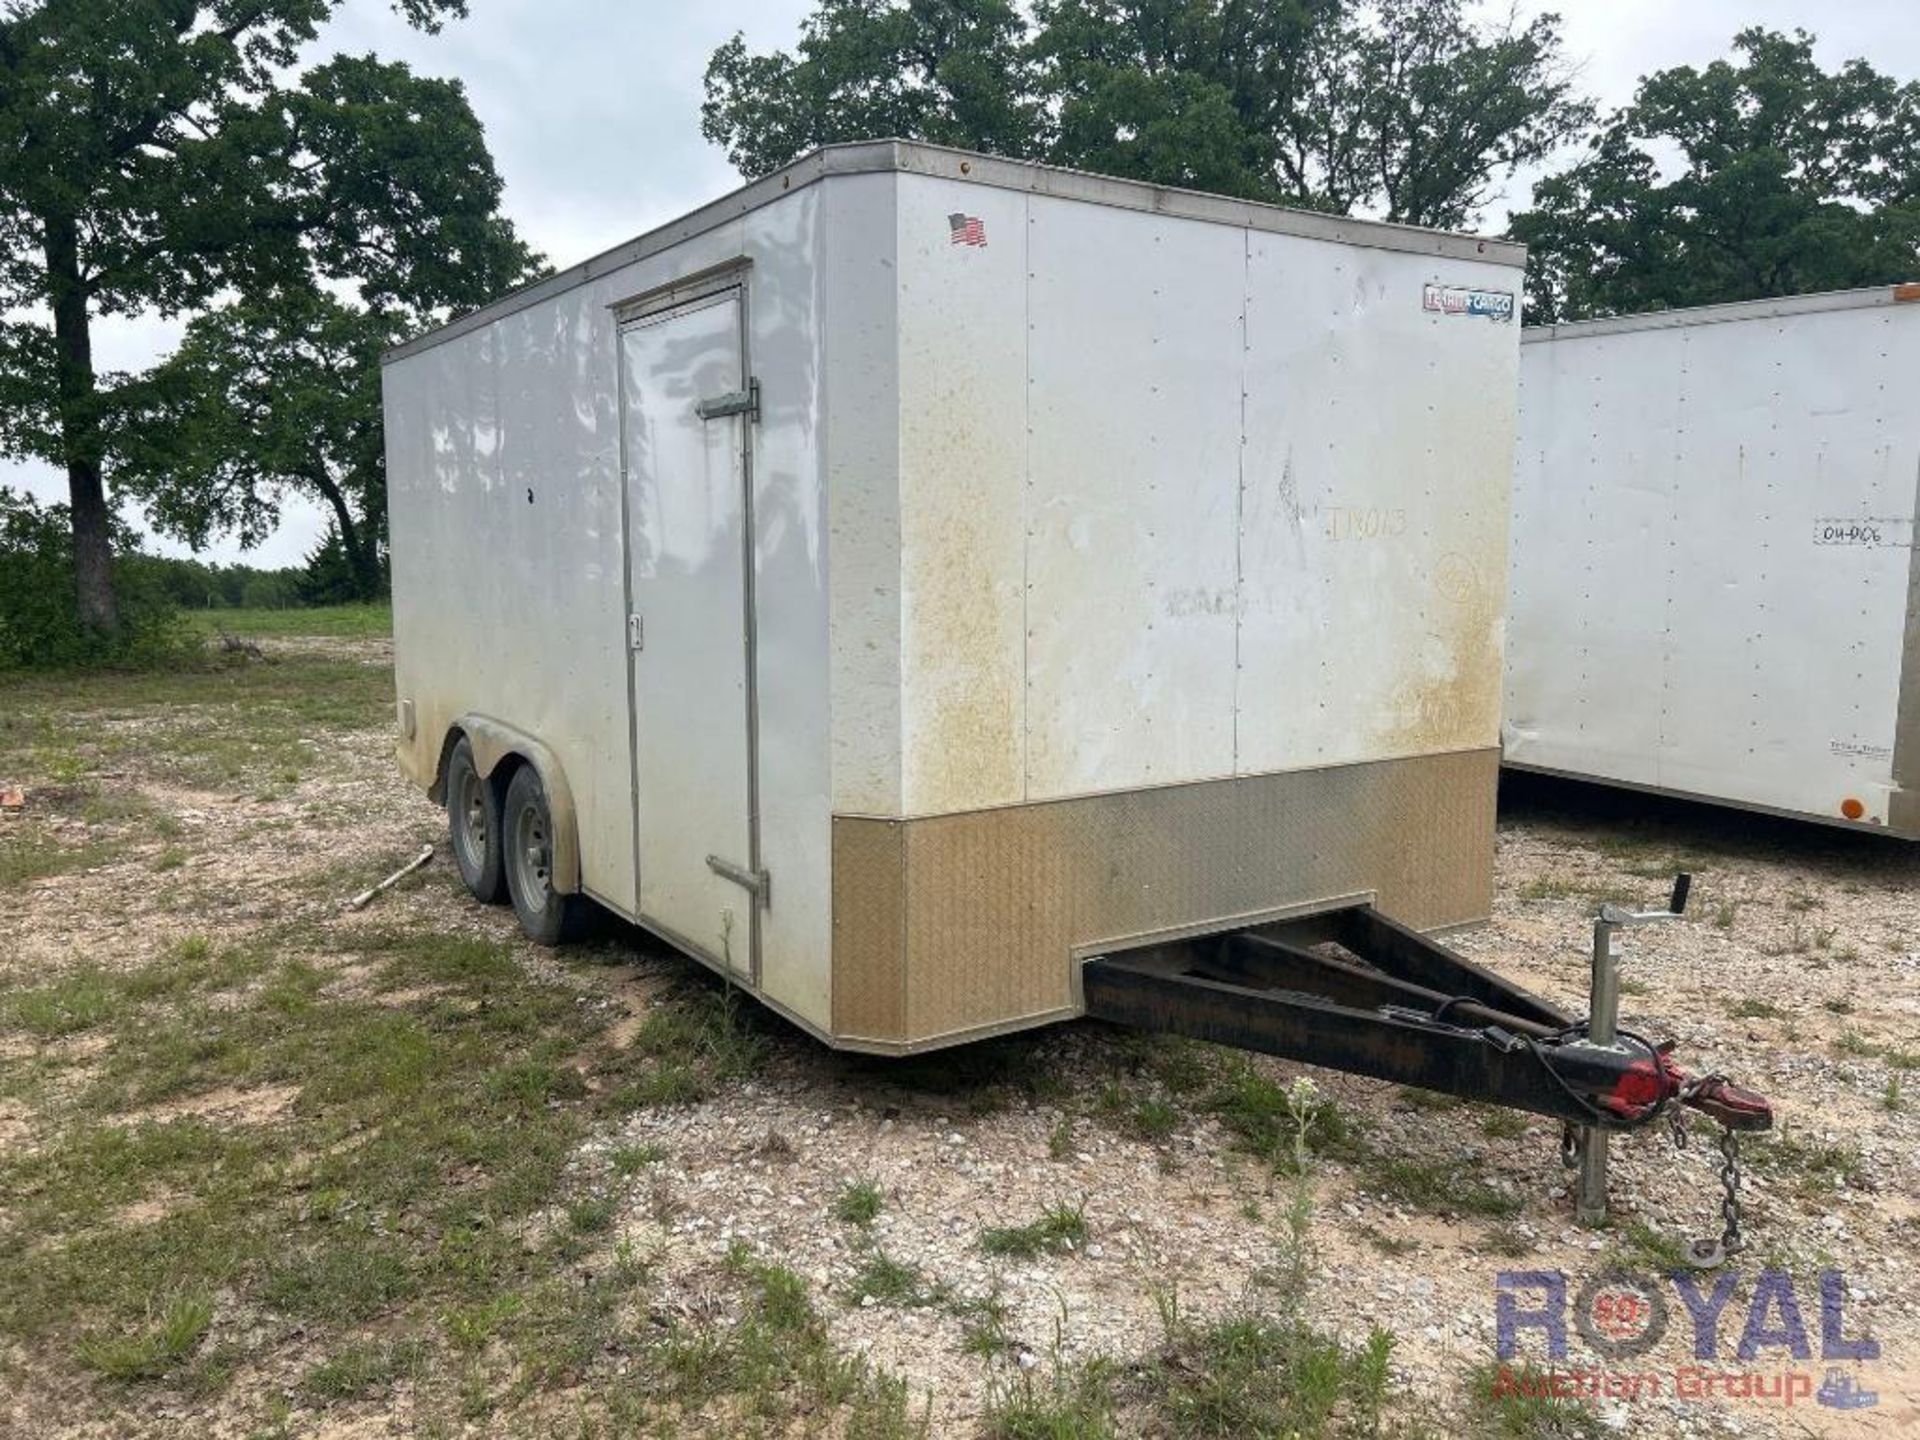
<point>1708,1253</point>
<point>1730,1238</point>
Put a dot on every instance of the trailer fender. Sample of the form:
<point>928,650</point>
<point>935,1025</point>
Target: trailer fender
<point>494,743</point>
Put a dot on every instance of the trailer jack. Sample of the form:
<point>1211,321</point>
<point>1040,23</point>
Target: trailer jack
<point>1350,989</point>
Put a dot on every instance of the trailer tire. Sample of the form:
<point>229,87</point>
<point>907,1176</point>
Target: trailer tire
<point>548,917</point>
<point>473,827</point>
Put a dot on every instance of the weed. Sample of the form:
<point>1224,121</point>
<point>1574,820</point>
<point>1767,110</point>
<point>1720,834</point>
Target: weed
<point>630,1160</point>
<point>1071,1402</point>
<point>1499,1123</point>
<point>1648,1249</point>
<point>1060,1140</point>
<point>858,1203</point>
<point>1753,1008</point>
<point>984,1325</point>
<point>591,1214</point>
<point>1269,1119</point>
<point>1060,1229</point>
<point>1725,913</point>
<point>887,1281</point>
<point>470,1327</point>
<point>1550,887</point>
<point>1890,1099</point>
<point>1508,1241</point>
<point>361,1370</point>
<point>153,1350</point>
<point>1144,1115</point>
<point>1852,1042</point>
<point>1388,1244</point>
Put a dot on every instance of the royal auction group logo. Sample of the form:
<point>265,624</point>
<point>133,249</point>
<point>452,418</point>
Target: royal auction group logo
<point>1621,1317</point>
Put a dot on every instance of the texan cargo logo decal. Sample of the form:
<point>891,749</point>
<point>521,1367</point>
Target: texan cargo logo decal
<point>1458,300</point>
<point>966,229</point>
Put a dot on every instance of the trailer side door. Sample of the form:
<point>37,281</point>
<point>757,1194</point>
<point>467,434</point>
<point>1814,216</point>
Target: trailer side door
<point>683,433</point>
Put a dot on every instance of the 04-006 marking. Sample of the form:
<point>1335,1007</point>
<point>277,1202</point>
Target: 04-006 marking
<point>1893,532</point>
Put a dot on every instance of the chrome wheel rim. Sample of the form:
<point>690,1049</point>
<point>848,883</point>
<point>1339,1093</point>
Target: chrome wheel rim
<point>470,817</point>
<point>532,856</point>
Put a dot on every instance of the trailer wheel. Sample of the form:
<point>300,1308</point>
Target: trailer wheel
<point>549,918</point>
<point>473,824</point>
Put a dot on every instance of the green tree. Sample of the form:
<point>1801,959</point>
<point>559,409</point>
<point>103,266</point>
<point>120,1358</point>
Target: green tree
<point>158,154</point>
<point>953,72</point>
<point>272,394</point>
<point>1399,108</point>
<point>1779,178</point>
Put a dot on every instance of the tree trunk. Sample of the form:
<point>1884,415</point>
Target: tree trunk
<point>80,437</point>
<point>358,544</point>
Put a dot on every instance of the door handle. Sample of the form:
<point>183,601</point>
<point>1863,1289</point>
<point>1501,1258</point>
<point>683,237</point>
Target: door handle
<point>735,402</point>
<point>755,882</point>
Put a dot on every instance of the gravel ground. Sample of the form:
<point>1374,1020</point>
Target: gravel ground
<point>1797,974</point>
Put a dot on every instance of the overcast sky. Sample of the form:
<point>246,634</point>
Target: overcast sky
<point>592,112</point>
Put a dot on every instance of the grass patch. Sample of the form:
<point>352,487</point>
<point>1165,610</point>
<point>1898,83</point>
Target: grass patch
<point>1077,1402</point>
<point>701,1037</point>
<point>1755,1009</point>
<point>82,999</point>
<point>1513,1402</point>
<point>1437,1187</point>
<point>36,854</point>
<point>359,1371</point>
<point>776,1366</point>
<point>246,727</point>
<point>385,1186</point>
<point>1143,1114</point>
<point>338,621</point>
<point>886,1281</point>
<point>153,1349</point>
<point>1251,1375</point>
<point>630,1160</point>
<point>1644,1248</point>
<point>1062,1228</point>
<point>858,1203</point>
<point>1817,1168</point>
<point>1499,1123</point>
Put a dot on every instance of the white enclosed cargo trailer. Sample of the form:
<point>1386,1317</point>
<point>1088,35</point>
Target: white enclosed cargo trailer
<point>1713,588</point>
<point>917,572</point>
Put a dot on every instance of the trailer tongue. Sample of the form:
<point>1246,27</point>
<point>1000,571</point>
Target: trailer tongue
<point>1352,990</point>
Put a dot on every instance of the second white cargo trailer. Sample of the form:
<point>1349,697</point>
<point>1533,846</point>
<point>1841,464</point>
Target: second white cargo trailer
<point>916,573</point>
<point>1714,588</point>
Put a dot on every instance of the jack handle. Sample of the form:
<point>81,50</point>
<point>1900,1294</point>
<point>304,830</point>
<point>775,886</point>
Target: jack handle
<point>1611,914</point>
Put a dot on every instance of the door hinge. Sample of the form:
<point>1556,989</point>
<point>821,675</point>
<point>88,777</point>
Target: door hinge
<point>735,402</point>
<point>636,633</point>
<point>755,882</point>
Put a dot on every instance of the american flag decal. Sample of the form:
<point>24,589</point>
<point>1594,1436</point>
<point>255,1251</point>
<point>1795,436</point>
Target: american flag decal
<point>966,229</point>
